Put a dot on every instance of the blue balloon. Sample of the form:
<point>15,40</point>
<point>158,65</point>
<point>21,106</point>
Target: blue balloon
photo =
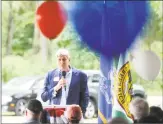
<point>109,27</point>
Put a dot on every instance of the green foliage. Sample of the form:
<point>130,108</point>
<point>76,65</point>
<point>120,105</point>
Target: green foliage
<point>23,42</point>
<point>153,30</point>
<point>23,16</point>
<point>27,60</point>
<point>14,66</point>
<point>152,38</point>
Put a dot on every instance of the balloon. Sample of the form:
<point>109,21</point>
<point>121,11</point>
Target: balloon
<point>51,18</point>
<point>111,27</point>
<point>147,64</point>
<point>107,66</point>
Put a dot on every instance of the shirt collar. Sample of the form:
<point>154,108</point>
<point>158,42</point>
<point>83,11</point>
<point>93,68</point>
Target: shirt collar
<point>67,73</point>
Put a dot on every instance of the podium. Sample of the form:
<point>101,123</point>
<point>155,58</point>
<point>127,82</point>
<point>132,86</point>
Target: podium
<point>57,113</point>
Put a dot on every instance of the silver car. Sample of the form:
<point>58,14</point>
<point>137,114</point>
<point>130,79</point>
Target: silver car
<point>94,77</point>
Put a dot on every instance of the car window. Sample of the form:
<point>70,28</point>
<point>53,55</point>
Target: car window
<point>18,81</point>
<point>39,84</point>
<point>95,78</point>
<point>88,78</point>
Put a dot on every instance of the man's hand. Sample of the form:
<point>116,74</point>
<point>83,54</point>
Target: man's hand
<point>61,83</point>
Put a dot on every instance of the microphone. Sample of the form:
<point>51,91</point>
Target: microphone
<point>64,76</point>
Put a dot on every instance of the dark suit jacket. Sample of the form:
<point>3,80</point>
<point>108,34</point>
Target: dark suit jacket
<point>78,90</point>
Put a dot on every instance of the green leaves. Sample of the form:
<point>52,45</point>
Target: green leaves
<point>29,61</point>
<point>153,29</point>
<point>23,23</point>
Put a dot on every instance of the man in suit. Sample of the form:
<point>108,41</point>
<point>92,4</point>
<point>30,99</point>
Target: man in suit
<point>66,88</point>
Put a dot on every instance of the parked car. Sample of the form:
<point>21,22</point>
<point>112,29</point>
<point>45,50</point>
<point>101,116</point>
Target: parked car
<point>93,85</point>
<point>93,82</point>
<point>139,91</point>
<point>18,91</point>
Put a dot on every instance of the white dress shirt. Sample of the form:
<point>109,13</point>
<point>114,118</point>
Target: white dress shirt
<point>64,96</point>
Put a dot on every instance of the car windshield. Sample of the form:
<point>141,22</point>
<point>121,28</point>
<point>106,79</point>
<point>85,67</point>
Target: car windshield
<point>138,87</point>
<point>17,82</point>
<point>39,84</point>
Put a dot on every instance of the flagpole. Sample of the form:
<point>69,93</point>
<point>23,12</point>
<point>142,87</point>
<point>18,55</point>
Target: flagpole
<point>104,95</point>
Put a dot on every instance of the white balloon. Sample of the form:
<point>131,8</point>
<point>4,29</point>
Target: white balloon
<point>147,64</point>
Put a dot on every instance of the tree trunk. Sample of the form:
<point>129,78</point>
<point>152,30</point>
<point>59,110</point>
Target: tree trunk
<point>36,44</point>
<point>149,45</point>
<point>44,50</point>
<point>41,43</point>
<point>10,31</point>
<point>49,47</point>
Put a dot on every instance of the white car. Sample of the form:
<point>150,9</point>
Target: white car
<point>138,91</point>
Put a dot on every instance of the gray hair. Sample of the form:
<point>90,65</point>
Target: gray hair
<point>139,108</point>
<point>63,52</point>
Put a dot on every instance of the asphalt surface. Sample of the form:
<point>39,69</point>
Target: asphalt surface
<point>20,119</point>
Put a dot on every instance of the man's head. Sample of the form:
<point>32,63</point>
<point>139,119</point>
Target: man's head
<point>156,111</point>
<point>34,108</point>
<point>63,59</point>
<point>149,119</point>
<point>74,113</point>
<point>139,108</point>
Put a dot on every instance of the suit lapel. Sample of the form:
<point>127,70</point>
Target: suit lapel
<point>73,78</point>
<point>57,74</point>
<point>55,78</point>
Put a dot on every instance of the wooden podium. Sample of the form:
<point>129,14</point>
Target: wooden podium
<point>56,113</point>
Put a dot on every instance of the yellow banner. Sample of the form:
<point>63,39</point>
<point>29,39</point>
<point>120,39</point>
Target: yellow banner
<point>123,88</point>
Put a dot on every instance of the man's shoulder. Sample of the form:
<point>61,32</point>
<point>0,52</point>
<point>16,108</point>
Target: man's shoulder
<point>52,71</point>
<point>79,71</point>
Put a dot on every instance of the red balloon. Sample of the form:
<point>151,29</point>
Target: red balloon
<point>51,18</point>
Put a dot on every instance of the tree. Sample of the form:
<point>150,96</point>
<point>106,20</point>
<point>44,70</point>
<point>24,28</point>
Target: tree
<point>10,30</point>
<point>153,30</point>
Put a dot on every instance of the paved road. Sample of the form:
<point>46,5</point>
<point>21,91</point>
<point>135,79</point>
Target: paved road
<point>20,119</point>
